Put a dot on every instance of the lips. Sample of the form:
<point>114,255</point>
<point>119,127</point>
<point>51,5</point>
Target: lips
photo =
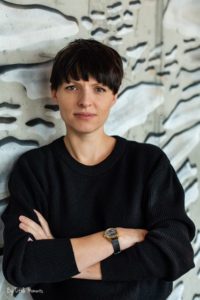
<point>84,116</point>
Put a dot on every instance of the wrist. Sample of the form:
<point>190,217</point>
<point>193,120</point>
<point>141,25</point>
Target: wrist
<point>127,237</point>
<point>122,238</point>
<point>111,234</point>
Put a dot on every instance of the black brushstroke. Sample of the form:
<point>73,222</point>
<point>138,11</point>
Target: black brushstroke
<point>171,51</point>
<point>7,120</point>
<point>191,184</point>
<point>179,133</point>
<point>180,283</point>
<point>164,73</point>
<point>192,49</point>
<point>6,68</point>
<point>184,164</point>
<point>85,18</point>
<point>38,121</point>
<point>113,18</point>
<point>124,26</point>
<point>174,86</point>
<point>130,87</point>
<point>124,59</point>
<point>137,46</point>
<point>191,85</point>
<point>149,68</point>
<point>187,70</point>
<point>99,29</point>
<point>157,56</point>
<point>128,12</point>
<point>114,38</point>
<point>97,12</point>
<point>154,134</point>
<point>52,107</point>
<point>196,295</point>
<point>196,236</point>
<point>171,63</point>
<point>139,61</point>
<point>189,40</point>
<point>135,2</point>
<point>114,5</point>
<point>11,139</point>
<point>160,44</point>
<point>197,252</point>
<point>39,6</point>
<point>9,105</point>
<point>179,103</point>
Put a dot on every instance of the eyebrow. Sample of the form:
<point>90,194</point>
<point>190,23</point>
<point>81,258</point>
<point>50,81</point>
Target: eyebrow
<point>77,81</point>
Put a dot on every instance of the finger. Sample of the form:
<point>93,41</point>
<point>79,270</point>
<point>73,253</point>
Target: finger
<point>32,227</point>
<point>37,235</point>
<point>43,223</point>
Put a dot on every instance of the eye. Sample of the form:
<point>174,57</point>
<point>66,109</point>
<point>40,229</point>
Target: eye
<point>99,89</point>
<point>71,88</point>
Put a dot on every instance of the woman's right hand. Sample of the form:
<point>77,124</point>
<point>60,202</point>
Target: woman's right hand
<point>129,236</point>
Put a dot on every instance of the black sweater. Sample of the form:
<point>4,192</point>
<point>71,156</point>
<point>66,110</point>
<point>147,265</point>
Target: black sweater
<point>134,187</point>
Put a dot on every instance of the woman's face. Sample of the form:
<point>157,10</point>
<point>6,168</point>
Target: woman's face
<point>84,105</point>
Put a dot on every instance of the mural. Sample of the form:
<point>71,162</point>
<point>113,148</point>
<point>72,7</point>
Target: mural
<point>158,103</point>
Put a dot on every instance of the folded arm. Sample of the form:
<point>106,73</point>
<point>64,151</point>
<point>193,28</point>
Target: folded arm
<point>166,253</point>
<point>28,260</point>
<point>89,250</point>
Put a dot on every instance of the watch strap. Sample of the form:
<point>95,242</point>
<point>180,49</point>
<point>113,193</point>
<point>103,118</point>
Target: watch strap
<point>116,246</point>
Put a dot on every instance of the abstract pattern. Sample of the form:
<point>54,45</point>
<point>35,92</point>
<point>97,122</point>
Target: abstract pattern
<point>158,103</point>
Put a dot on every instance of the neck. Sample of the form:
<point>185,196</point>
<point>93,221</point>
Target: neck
<point>89,149</point>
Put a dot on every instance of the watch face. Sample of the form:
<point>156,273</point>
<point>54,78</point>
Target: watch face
<point>111,233</point>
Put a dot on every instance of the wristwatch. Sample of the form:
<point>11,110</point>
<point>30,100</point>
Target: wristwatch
<point>111,234</point>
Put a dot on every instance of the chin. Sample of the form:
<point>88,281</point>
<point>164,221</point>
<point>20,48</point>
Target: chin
<point>86,130</point>
<point>83,128</point>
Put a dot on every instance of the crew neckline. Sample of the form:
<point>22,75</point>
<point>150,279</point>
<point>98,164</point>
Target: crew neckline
<point>101,167</point>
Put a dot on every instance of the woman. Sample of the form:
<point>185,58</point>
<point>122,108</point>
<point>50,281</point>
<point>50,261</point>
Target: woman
<point>93,216</point>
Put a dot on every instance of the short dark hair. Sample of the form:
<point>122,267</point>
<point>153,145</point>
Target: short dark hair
<point>87,57</point>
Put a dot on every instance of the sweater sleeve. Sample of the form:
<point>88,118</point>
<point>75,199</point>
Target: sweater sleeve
<point>30,262</point>
<point>166,253</point>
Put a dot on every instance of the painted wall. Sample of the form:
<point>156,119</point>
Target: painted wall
<point>159,100</point>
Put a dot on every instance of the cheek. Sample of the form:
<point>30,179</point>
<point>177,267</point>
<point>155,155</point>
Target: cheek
<point>65,106</point>
<point>107,107</point>
<point>64,111</point>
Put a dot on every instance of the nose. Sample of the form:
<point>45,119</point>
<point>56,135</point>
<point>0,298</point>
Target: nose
<point>85,98</point>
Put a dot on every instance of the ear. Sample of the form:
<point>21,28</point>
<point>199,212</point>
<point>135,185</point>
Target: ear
<point>54,96</point>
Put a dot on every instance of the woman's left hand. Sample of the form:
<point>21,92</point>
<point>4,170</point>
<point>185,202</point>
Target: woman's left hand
<point>39,232</point>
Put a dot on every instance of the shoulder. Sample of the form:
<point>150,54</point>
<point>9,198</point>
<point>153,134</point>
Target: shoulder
<point>145,150</point>
<point>145,147</point>
<point>145,156</point>
<point>38,156</point>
